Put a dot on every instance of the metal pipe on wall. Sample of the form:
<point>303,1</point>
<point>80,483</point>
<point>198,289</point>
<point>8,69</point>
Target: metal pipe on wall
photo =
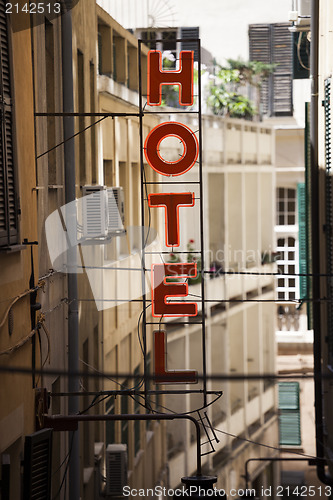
<point>63,422</point>
<point>73,320</point>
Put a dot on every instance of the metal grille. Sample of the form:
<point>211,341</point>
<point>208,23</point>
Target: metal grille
<point>116,469</point>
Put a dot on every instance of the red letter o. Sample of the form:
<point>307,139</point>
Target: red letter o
<point>189,140</point>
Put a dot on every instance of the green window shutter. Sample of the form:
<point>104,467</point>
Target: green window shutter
<point>302,240</point>
<point>289,414</point>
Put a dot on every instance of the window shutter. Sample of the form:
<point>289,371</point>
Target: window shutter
<point>272,43</point>
<point>307,157</point>
<point>303,292</point>
<point>289,414</point>
<point>37,465</point>
<point>329,216</point>
<point>190,33</point>
<point>282,77</point>
<point>260,50</point>
<point>8,201</point>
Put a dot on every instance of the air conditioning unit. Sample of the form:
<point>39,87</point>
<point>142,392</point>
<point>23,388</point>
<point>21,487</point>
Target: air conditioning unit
<point>95,212</point>
<point>116,209</point>
<point>116,469</point>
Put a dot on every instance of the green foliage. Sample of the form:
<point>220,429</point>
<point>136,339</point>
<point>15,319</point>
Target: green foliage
<point>252,72</point>
<point>193,257</point>
<point>226,99</point>
<point>231,104</point>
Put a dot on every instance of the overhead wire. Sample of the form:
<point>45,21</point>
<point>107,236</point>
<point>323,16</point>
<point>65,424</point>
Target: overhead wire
<point>70,138</point>
<point>216,377</point>
<point>225,432</point>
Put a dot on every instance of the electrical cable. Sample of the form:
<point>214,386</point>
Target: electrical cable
<point>40,285</point>
<point>282,450</point>
<point>218,300</point>
<point>229,433</point>
<point>220,273</point>
<point>106,376</point>
<point>138,328</point>
<point>21,343</point>
<point>299,50</point>
<point>66,469</point>
<point>222,377</point>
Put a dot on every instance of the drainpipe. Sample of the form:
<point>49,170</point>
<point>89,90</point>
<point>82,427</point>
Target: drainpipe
<point>73,319</point>
<point>322,476</point>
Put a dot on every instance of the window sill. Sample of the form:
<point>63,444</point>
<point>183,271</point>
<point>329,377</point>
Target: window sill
<point>291,448</point>
<point>12,248</point>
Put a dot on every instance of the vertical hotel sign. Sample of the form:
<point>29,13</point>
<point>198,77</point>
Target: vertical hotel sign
<point>163,290</point>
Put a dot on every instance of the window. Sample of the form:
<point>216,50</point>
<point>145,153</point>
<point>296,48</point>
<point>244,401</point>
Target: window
<point>302,237</point>
<point>137,423</point>
<point>272,43</point>
<point>287,286</point>
<point>104,49</point>
<point>149,38</point>
<point>289,414</point>
<point>8,194</point>
<point>110,434</point>
<point>124,411</point>
<point>286,206</point>
<point>81,119</point>
<point>301,55</point>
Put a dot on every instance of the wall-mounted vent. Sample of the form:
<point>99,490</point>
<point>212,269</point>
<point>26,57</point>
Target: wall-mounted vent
<point>116,469</point>
<point>95,212</point>
<point>116,209</point>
